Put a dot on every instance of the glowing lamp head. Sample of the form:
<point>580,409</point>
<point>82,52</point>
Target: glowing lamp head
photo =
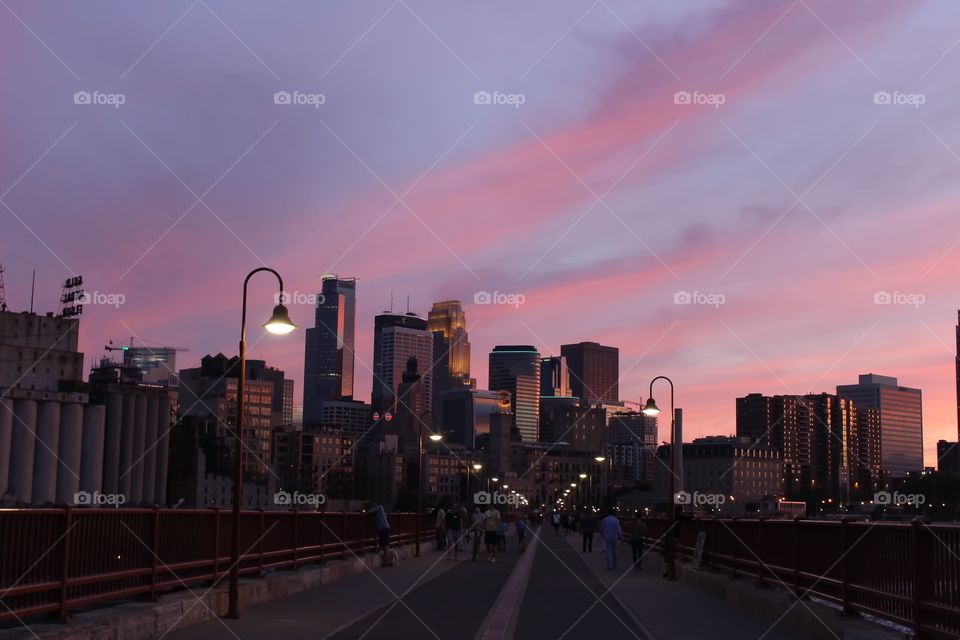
<point>279,323</point>
<point>651,408</point>
<point>436,437</point>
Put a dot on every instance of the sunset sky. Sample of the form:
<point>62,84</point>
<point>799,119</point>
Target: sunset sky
<point>828,173</point>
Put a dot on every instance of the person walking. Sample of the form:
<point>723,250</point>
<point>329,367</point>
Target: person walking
<point>382,525</point>
<point>491,523</point>
<point>476,530</point>
<point>502,534</point>
<point>438,526</point>
<point>556,522</point>
<point>638,532</point>
<point>521,525</point>
<point>464,519</point>
<point>453,529</point>
<point>611,533</point>
<point>588,526</point>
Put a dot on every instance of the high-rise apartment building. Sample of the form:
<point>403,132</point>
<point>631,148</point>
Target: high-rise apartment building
<point>329,346</point>
<point>901,420</point>
<point>783,423</point>
<point>211,391</point>
<point>594,371</point>
<point>516,368</point>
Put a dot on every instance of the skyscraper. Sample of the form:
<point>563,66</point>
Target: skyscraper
<point>328,353</point>
<point>397,337</point>
<point>554,377</point>
<point>958,373</point>
<point>901,420</point>
<point>594,371</point>
<point>516,368</point>
<point>448,323</point>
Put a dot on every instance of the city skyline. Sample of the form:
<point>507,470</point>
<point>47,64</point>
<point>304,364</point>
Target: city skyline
<point>790,320</point>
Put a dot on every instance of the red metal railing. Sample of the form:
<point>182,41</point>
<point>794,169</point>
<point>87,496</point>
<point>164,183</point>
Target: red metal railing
<point>907,573</point>
<point>54,560</point>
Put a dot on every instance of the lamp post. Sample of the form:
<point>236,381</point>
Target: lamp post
<point>601,460</point>
<point>651,409</point>
<point>589,496</point>
<point>434,437</point>
<point>279,323</point>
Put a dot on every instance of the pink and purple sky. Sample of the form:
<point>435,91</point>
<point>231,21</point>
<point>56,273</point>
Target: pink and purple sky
<point>829,174</point>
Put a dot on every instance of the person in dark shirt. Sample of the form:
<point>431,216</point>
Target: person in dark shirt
<point>454,525</point>
<point>588,527</point>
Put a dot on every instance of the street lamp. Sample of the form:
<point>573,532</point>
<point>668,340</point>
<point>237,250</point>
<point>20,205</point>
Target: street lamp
<point>278,324</point>
<point>589,496</point>
<point>651,409</point>
<point>434,437</point>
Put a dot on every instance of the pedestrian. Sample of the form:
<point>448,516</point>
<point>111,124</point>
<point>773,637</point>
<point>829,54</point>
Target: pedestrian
<point>556,522</point>
<point>491,522</point>
<point>439,524</point>
<point>502,535</point>
<point>521,525</point>
<point>611,533</point>
<point>382,525</point>
<point>453,529</point>
<point>476,530</point>
<point>588,526</point>
<point>464,519</point>
<point>637,533</point>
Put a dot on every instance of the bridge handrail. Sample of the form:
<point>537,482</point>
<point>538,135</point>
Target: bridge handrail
<point>53,560</point>
<point>908,573</point>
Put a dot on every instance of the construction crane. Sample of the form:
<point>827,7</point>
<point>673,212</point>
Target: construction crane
<point>110,347</point>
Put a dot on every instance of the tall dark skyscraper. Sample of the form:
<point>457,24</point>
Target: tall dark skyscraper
<point>554,377</point>
<point>328,354</point>
<point>397,337</point>
<point>958,375</point>
<point>901,420</point>
<point>594,371</point>
<point>516,368</point>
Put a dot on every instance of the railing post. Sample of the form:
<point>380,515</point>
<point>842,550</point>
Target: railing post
<point>844,568</point>
<point>796,558</point>
<point>260,546</point>
<point>155,552</point>
<point>760,581</point>
<point>323,527</point>
<point>735,540</point>
<point>343,532</point>
<point>917,577</point>
<point>65,564</point>
<point>216,544</point>
<point>295,534</point>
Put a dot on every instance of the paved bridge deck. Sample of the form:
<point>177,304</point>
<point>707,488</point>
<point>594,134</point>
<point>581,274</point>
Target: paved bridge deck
<point>551,591</point>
